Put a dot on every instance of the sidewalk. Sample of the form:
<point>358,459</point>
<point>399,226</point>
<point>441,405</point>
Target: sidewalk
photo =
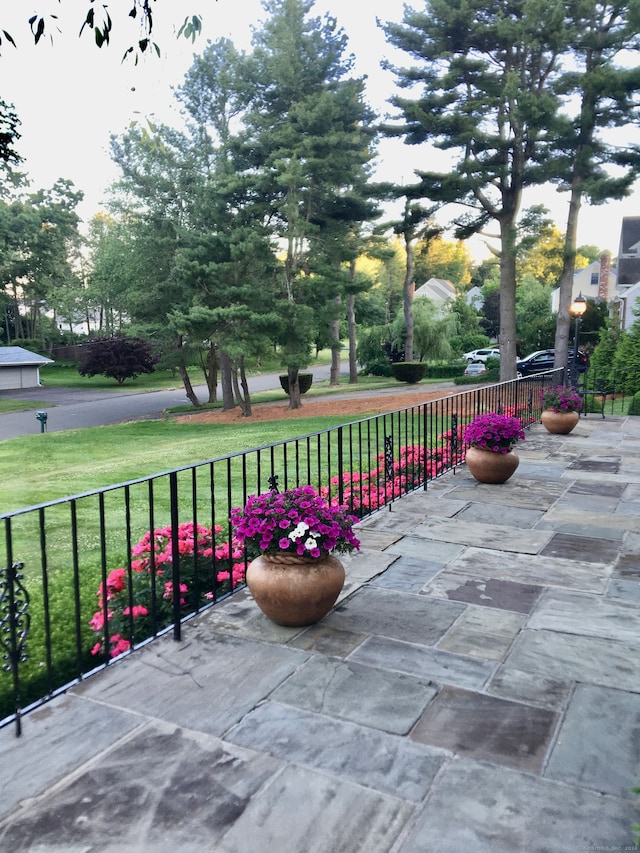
<point>477,688</point>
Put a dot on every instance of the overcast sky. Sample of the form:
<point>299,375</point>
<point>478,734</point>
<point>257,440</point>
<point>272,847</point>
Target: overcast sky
<point>71,96</point>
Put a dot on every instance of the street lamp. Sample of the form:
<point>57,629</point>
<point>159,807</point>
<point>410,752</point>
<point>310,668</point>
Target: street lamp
<point>576,309</point>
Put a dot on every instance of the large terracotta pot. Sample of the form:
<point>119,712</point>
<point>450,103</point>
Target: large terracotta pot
<point>560,423</point>
<point>489,467</point>
<point>295,591</point>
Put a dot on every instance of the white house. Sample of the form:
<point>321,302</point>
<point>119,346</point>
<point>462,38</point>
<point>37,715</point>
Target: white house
<point>440,290</point>
<point>20,368</point>
<point>597,281</point>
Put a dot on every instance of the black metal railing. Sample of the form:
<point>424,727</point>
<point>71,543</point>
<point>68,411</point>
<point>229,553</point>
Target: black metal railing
<point>86,579</point>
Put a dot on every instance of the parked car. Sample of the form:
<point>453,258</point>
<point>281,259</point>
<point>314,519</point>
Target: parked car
<point>475,368</point>
<point>481,355</point>
<point>541,360</point>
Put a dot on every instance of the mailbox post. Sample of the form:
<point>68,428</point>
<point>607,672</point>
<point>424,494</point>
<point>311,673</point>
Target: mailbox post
<point>42,417</point>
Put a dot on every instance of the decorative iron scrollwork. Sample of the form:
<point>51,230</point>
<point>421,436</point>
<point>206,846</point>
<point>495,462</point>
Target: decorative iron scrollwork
<point>273,483</point>
<point>388,457</point>
<point>14,617</point>
<point>454,435</point>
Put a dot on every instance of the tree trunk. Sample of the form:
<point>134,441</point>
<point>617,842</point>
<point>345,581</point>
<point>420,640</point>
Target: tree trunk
<point>563,322</point>
<point>226,371</point>
<point>188,387</point>
<point>211,373</point>
<point>351,324</point>
<point>295,400</point>
<point>241,389</point>
<point>408,299</point>
<point>334,376</point>
<point>507,336</point>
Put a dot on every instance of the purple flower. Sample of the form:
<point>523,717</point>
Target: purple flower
<point>496,432</point>
<point>324,528</point>
<point>562,398</point>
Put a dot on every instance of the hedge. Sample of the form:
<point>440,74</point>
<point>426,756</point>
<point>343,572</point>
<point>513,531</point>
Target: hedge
<point>409,371</point>
<point>304,381</point>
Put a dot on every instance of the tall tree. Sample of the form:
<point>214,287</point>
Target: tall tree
<point>589,162</point>
<point>306,141</point>
<point>484,72</point>
<point>38,234</point>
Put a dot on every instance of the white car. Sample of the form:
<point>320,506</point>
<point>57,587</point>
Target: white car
<point>481,355</point>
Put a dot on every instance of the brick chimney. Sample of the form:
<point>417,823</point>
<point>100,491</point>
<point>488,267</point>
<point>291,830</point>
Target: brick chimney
<point>603,279</point>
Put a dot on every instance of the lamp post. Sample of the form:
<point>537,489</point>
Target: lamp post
<point>576,309</point>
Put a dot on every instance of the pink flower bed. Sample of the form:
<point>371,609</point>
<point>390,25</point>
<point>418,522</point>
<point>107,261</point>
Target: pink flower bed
<point>138,605</point>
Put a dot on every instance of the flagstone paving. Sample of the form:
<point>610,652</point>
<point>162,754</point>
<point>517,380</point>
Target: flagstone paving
<point>475,688</point>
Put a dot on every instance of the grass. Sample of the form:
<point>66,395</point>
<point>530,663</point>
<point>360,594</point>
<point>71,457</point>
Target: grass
<point>7,406</point>
<point>39,468</point>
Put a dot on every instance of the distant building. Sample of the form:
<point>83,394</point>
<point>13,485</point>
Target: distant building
<point>440,290</point>
<point>20,368</point>
<point>474,297</point>
<point>597,281</point>
<point>619,284</point>
<point>629,252</point>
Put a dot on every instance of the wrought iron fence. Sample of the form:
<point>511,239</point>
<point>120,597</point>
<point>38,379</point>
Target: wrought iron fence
<point>89,578</point>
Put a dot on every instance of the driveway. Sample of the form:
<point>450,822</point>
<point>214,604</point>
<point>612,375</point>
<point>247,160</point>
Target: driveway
<point>73,409</point>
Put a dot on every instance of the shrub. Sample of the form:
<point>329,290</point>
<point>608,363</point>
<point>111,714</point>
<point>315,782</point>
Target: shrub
<point>304,381</point>
<point>409,371</point>
<point>446,371</point>
<point>634,404</point>
<point>118,358</point>
<point>378,368</point>
<point>139,602</point>
<point>371,490</point>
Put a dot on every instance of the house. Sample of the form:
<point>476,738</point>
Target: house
<point>20,368</point>
<point>597,281</point>
<point>439,290</point>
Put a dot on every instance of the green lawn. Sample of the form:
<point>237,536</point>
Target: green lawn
<point>7,406</point>
<point>43,467</point>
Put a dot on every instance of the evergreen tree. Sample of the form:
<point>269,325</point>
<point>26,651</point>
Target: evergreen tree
<point>306,145</point>
<point>588,160</point>
<point>480,78</point>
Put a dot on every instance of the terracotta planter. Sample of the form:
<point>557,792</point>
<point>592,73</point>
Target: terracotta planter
<point>295,591</point>
<point>489,467</point>
<point>560,423</point>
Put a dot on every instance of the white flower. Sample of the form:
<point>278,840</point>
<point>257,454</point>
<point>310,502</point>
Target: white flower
<point>299,532</point>
<point>310,544</point>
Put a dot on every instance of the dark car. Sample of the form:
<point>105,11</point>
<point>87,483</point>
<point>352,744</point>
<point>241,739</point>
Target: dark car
<point>541,360</point>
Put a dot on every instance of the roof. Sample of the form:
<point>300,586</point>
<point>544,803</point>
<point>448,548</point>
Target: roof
<point>629,251</point>
<point>436,288</point>
<point>20,357</point>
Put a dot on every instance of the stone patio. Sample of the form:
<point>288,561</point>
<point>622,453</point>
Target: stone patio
<point>476,688</point>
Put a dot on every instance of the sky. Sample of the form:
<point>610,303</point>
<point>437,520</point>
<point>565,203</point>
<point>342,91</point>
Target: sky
<point>71,96</point>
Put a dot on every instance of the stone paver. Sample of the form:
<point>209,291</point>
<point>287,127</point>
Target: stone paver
<point>485,727</point>
<point>390,701</point>
<point>499,810</point>
<point>598,744</point>
<point>383,762</point>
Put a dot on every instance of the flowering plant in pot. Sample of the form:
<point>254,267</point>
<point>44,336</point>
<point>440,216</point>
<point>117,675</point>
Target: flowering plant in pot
<point>494,432</point>
<point>561,398</point>
<point>291,537</point>
<point>491,438</point>
<point>298,521</point>
<point>561,407</point>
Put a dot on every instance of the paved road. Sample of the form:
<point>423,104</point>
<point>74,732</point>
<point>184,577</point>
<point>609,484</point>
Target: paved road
<point>72,409</point>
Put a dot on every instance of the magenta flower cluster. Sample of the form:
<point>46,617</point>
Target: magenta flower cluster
<point>562,398</point>
<point>130,598</point>
<point>298,520</point>
<point>494,432</point>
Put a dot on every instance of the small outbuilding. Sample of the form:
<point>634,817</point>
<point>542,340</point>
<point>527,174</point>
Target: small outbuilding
<point>20,368</point>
